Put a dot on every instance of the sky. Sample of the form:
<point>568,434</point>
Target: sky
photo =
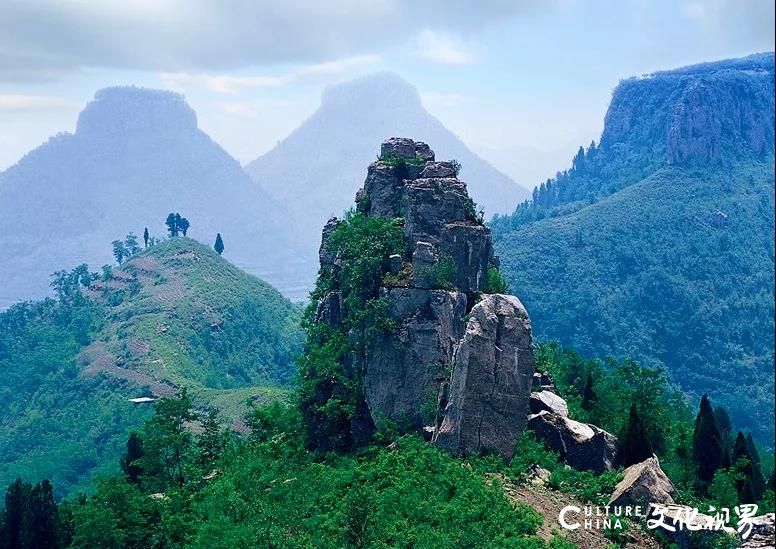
<point>523,83</point>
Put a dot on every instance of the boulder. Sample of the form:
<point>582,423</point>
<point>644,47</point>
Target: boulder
<point>583,446</point>
<point>538,476</point>
<point>547,401</point>
<point>491,380</point>
<point>762,534</point>
<point>642,484</point>
<point>401,147</point>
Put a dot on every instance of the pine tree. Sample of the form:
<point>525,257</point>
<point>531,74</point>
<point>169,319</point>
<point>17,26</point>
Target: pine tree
<point>634,443</point>
<point>43,517</point>
<point>707,444</point>
<point>130,460</point>
<point>17,497</point>
<point>145,237</point>
<point>725,427</point>
<point>219,245</point>
<point>751,485</point>
<point>588,394</point>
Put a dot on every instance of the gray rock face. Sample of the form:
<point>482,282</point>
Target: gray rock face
<point>643,483</point>
<point>763,534</point>
<point>405,368</point>
<point>583,446</point>
<point>547,401</point>
<point>493,366</point>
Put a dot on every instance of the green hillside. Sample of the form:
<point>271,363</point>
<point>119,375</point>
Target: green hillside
<point>176,315</point>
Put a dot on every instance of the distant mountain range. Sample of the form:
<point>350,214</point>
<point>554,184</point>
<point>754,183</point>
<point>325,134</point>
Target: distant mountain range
<point>657,244</point>
<point>137,154</point>
<point>318,168</point>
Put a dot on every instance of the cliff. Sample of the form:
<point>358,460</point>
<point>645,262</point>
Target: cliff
<point>428,345</point>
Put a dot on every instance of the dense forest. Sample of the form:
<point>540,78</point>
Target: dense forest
<point>657,244</point>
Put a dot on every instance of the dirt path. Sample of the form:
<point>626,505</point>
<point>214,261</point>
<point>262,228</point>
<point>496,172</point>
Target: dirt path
<point>549,504</point>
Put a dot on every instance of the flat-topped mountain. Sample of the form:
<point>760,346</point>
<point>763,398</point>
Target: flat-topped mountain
<point>316,169</point>
<point>657,243</point>
<point>136,155</point>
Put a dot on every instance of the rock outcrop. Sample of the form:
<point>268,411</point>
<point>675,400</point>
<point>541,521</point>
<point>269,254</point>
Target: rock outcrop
<point>548,401</point>
<point>643,483</point>
<point>492,371</point>
<point>763,533</point>
<point>583,446</point>
<point>457,363</point>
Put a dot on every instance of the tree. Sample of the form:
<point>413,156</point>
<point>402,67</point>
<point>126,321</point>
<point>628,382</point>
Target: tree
<point>183,225</point>
<point>131,244</point>
<point>167,440</point>
<point>130,460</point>
<point>145,237</point>
<point>219,245</point>
<point>589,397</point>
<point>172,225</point>
<point>212,441</point>
<point>707,444</point>
<point>634,442</point>
<point>119,251</point>
<point>750,484</point>
<point>43,521</point>
<point>725,432</point>
<point>17,497</point>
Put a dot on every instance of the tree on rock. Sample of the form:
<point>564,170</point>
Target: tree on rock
<point>634,442</point>
<point>219,245</point>
<point>708,449</point>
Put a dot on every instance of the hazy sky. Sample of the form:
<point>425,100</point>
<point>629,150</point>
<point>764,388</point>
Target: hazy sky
<point>524,83</point>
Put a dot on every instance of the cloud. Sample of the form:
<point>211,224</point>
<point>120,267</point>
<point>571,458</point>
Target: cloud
<point>40,39</point>
<point>231,84</point>
<point>442,48</point>
<point>26,103</point>
<point>719,16</point>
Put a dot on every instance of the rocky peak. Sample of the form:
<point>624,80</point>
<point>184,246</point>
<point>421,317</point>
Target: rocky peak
<point>458,362</point>
<point>125,111</point>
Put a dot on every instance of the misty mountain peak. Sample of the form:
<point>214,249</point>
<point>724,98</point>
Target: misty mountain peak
<point>129,110</point>
<point>383,90</point>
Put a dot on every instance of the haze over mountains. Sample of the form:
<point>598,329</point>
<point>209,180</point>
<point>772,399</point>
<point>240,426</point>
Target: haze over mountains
<point>658,243</point>
<point>137,154</point>
<point>318,168</point>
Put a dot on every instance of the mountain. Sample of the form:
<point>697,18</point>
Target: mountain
<point>175,315</point>
<point>318,168</point>
<point>657,243</point>
<point>135,156</point>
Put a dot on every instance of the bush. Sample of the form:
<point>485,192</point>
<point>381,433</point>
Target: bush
<point>495,283</point>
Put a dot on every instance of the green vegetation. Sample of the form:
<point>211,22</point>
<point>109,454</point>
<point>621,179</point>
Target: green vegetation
<point>174,315</point>
<point>638,403</point>
<point>267,491</point>
<point>441,275</point>
<point>659,276</point>
<point>495,283</point>
<point>331,395</point>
